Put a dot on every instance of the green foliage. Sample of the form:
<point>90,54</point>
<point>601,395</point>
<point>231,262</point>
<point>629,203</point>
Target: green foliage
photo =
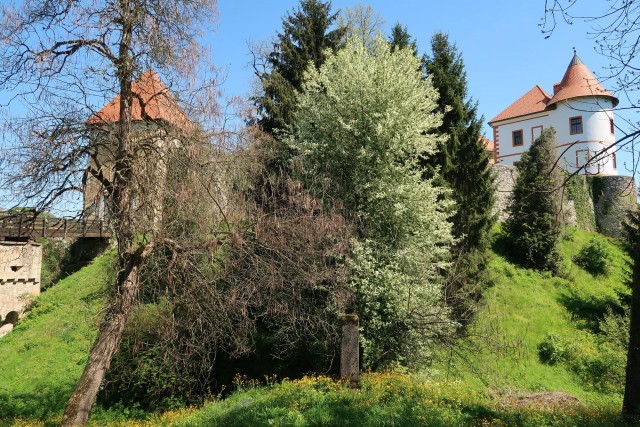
<point>533,226</point>
<point>595,257</point>
<point>43,357</point>
<point>54,252</point>
<point>465,169</point>
<point>578,191</point>
<point>306,37</point>
<point>401,39</point>
<point>386,399</point>
<point>552,349</point>
<point>363,121</point>
<point>142,374</point>
<point>585,315</point>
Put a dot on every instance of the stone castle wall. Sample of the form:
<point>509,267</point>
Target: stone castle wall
<point>20,267</point>
<point>609,199</point>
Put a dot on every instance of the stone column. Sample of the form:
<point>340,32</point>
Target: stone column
<point>350,354</point>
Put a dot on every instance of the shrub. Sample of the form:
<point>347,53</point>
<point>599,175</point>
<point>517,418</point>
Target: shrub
<point>552,350</point>
<point>594,257</point>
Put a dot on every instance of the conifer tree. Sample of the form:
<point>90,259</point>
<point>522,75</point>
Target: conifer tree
<point>305,37</point>
<point>401,39</point>
<point>464,166</point>
<point>533,226</point>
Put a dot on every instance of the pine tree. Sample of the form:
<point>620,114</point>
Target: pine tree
<point>305,38</point>
<point>533,226</point>
<point>401,39</point>
<point>464,166</point>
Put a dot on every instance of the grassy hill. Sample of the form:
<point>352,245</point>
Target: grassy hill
<point>577,317</point>
<point>534,333</point>
<point>43,357</point>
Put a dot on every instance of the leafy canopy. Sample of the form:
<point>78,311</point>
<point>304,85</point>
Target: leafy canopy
<point>364,119</point>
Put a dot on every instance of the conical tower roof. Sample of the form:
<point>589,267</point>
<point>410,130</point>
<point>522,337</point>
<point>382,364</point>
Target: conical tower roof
<point>151,101</point>
<point>579,81</point>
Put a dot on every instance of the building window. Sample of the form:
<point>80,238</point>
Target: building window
<point>582,158</point>
<point>575,124</point>
<point>536,131</point>
<point>615,161</point>
<point>613,129</point>
<point>516,138</point>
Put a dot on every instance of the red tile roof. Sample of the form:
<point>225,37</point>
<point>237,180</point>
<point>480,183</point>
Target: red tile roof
<point>152,101</point>
<point>579,81</point>
<point>487,143</point>
<point>534,101</point>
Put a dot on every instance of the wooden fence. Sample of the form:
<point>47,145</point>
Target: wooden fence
<point>25,226</point>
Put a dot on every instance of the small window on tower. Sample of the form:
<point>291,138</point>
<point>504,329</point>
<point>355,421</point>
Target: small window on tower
<point>582,158</point>
<point>615,161</point>
<point>613,129</point>
<point>517,138</point>
<point>575,124</point>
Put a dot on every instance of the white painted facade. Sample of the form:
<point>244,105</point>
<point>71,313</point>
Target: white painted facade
<point>591,151</point>
<point>573,150</point>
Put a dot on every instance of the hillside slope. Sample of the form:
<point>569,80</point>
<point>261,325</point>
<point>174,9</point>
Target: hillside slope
<point>577,319</point>
<point>43,357</point>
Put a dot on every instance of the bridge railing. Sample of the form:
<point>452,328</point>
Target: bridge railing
<point>25,225</point>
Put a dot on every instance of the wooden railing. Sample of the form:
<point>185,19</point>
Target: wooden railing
<point>21,226</point>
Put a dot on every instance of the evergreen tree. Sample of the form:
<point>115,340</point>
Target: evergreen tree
<point>464,166</point>
<point>533,226</point>
<point>401,39</point>
<point>305,37</point>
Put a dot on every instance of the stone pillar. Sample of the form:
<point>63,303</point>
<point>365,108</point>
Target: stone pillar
<point>350,354</point>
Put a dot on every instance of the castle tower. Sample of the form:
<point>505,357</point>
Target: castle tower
<point>157,124</point>
<point>581,112</point>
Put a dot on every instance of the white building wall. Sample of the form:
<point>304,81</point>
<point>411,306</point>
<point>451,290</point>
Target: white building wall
<point>574,149</point>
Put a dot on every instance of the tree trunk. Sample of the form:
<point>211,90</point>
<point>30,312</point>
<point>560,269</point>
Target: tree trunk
<point>631,402</point>
<point>83,398</point>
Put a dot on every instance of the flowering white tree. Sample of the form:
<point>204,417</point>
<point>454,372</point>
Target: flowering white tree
<point>364,119</point>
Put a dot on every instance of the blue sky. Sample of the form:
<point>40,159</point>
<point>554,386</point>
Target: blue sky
<point>503,47</point>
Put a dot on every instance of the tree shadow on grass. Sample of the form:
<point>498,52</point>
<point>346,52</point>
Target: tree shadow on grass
<point>589,309</point>
<point>42,405</point>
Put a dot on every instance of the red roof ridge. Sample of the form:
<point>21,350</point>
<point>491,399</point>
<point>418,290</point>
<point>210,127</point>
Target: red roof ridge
<point>152,101</point>
<point>534,101</point>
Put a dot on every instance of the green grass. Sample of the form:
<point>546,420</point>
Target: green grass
<point>523,307</point>
<point>42,358</point>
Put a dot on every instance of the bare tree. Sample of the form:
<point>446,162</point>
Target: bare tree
<point>61,59</point>
<point>361,22</point>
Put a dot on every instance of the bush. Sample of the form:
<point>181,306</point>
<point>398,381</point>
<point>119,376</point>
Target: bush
<point>594,257</point>
<point>552,350</point>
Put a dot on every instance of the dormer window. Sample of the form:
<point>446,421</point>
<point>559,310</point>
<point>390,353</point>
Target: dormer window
<point>516,138</point>
<point>575,125</point>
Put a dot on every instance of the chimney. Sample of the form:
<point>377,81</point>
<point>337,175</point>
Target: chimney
<point>556,88</point>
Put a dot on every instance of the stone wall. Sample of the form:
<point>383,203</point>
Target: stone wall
<point>614,197</point>
<point>20,267</point>
<point>608,198</point>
